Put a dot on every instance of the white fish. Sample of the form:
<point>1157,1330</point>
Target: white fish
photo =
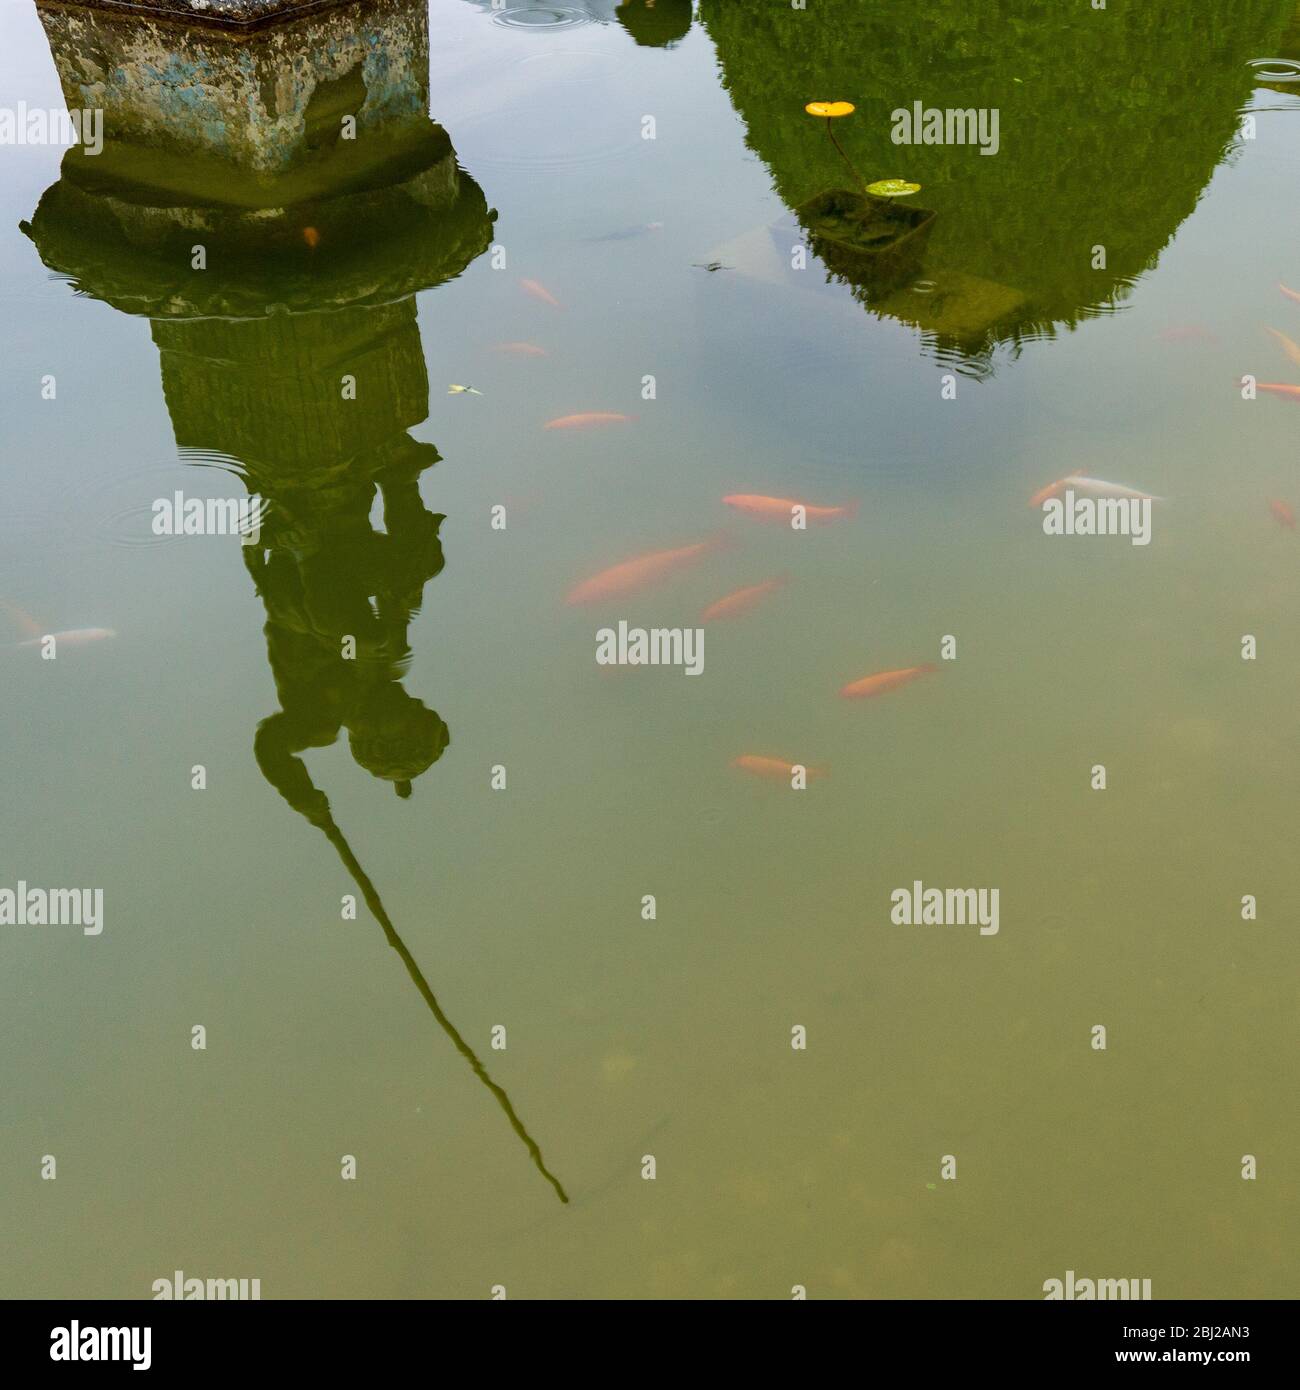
<point>74,637</point>
<point>1099,487</point>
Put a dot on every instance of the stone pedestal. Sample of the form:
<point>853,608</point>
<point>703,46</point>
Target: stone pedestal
<point>187,108</point>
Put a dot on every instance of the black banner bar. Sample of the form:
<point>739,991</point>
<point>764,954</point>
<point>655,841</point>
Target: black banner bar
<point>166,1338</point>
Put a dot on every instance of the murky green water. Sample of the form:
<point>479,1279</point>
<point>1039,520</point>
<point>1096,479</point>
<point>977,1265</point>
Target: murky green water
<point>395,262</point>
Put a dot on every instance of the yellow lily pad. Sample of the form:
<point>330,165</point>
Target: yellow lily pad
<point>829,108</point>
<point>893,188</point>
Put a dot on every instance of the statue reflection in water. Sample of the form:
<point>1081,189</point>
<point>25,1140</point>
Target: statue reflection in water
<point>278,269</point>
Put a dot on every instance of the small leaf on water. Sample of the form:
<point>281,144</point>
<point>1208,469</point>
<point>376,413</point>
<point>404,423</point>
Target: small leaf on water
<point>893,188</point>
<point>829,108</point>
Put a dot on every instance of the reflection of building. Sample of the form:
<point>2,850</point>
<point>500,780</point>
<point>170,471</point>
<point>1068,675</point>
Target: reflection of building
<point>652,23</point>
<point>272,203</point>
<point>272,206</point>
<point>244,16</point>
<point>1111,123</point>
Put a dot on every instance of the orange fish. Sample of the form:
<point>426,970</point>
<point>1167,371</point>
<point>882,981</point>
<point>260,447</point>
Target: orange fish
<point>1290,294</point>
<point>311,236</point>
<point>1292,349</point>
<point>586,419</point>
<point>1282,389</point>
<point>776,767</point>
<point>539,291</point>
<point>634,574</point>
<point>741,602</point>
<point>521,349</point>
<point>782,508</point>
<point>884,681</point>
<point>1282,511</point>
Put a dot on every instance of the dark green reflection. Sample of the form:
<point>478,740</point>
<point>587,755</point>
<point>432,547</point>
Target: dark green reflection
<point>1283,73</point>
<point>292,355</point>
<point>655,23</point>
<point>1111,123</point>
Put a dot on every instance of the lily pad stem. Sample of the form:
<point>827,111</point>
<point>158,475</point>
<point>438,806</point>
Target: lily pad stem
<point>860,182</point>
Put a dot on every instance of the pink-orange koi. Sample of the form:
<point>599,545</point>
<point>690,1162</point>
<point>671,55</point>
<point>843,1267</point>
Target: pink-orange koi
<point>1282,511</point>
<point>744,600</point>
<point>782,508</point>
<point>587,419</point>
<point>1290,293</point>
<point>884,681</point>
<point>1289,346</point>
<point>777,768</point>
<point>634,574</point>
<point>539,291</point>
<point>1281,388</point>
<point>521,349</point>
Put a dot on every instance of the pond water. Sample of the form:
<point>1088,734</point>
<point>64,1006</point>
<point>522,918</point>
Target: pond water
<point>382,724</point>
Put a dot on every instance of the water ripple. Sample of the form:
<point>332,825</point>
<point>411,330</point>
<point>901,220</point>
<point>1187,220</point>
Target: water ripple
<point>1276,69</point>
<point>541,17</point>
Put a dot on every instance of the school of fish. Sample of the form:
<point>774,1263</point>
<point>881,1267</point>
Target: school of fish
<point>653,567</point>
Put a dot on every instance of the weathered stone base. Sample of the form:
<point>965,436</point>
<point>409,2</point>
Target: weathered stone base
<point>191,108</point>
<point>239,16</point>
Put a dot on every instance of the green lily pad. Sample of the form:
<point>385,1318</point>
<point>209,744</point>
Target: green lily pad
<point>893,188</point>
